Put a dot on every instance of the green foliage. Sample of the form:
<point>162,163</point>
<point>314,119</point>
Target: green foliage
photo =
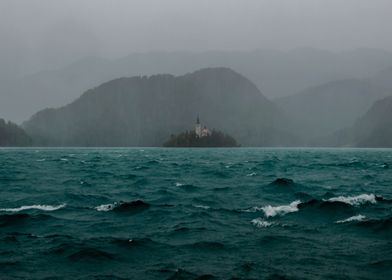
<point>12,135</point>
<point>190,139</point>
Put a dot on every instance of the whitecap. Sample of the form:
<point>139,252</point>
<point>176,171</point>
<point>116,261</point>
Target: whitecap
<point>355,200</point>
<point>260,223</point>
<point>202,206</point>
<point>106,207</point>
<point>179,184</point>
<point>272,211</point>
<point>356,218</point>
<point>251,174</point>
<point>252,210</point>
<point>35,207</point>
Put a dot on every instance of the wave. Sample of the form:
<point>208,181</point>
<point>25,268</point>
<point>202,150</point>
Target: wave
<point>382,199</point>
<point>143,244</point>
<point>352,219</point>
<point>183,274</point>
<point>206,245</point>
<point>34,207</point>
<point>90,254</point>
<point>354,162</point>
<point>283,182</point>
<point>18,218</point>
<point>382,264</point>
<point>272,211</point>
<point>380,225</point>
<point>202,207</point>
<point>127,176</point>
<point>260,223</point>
<point>136,205</point>
<point>7,220</point>
<point>105,207</point>
<point>183,229</point>
<point>355,200</point>
<point>326,205</point>
<point>186,187</point>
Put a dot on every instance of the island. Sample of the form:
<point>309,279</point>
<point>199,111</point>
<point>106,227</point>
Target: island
<point>201,136</point>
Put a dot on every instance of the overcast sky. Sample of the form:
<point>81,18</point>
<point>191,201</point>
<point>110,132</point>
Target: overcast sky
<point>50,33</point>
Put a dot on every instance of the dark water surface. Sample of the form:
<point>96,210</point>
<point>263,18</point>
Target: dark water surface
<point>195,214</point>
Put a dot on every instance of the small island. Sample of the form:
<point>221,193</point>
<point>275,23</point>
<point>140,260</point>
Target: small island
<point>201,136</point>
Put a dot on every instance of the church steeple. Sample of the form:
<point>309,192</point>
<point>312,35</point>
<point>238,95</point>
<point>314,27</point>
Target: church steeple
<point>198,127</point>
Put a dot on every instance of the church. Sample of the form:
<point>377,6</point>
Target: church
<point>201,131</point>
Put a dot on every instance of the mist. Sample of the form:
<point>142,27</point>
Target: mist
<point>38,35</point>
<point>318,66</point>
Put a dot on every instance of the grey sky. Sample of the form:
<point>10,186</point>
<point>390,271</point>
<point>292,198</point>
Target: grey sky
<point>50,33</point>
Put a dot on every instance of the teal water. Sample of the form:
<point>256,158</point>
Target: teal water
<point>195,214</point>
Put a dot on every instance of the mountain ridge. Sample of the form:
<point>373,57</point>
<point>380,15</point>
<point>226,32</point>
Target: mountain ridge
<point>145,111</point>
<point>275,73</point>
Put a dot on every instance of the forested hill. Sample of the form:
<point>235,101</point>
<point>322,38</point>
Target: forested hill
<point>373,129</point>
<point>12,135</point>
<point>145,111</point>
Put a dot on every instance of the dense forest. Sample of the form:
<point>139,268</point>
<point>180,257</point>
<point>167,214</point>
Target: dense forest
<point>12,135</point>
<point>190,139</point>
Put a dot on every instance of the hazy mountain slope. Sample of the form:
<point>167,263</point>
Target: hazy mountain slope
<point>374,129</point>
<point>276,73</point>
<point>145,111</point>
<point>324,109</point>
<point>383,78</point>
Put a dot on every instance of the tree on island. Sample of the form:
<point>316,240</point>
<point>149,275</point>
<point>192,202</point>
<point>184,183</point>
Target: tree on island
<point>191,139</point>
<point>12,135</point>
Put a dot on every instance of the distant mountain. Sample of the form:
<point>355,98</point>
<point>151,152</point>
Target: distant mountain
<point>374,129</point>
<point>276,73</point>
<point>324,109</point>
<point>383,78</point>
<point>145,111</point>
<point>13,135</point>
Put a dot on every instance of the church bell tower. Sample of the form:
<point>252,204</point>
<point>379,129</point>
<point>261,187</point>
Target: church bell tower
<point>198,127</point>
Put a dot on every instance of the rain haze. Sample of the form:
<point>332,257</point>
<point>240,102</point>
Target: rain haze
<point>203,139</point>
<point>316,66</point>
<point>46,34</point>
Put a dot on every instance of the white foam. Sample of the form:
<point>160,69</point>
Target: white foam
<point>36,207</point>
<point>179,184</point>
<point>253,209</point>
<point>202,206</point>
<point>251,174</point>
<point>260,223</point>
<point>272,211</point>
<point>355,200</point>
<point>105,207</point>
<point>352,219</point>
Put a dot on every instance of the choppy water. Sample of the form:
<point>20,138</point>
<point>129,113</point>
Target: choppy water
<point>195,214</point>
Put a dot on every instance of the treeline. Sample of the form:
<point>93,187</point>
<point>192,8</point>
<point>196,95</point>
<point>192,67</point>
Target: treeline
<point>190,139</point>
<point>12,135</point>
